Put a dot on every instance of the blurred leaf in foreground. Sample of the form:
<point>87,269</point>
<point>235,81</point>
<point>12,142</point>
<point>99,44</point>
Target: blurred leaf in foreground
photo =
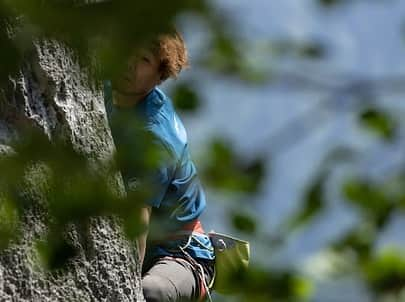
<point>330,3</point>
<point>8,221</point>
<point>261,285</point>
<point>55,251</point>
<point>379,123</point>
<point>386,271</point>
<point>314,203</point>
<point>312,50</point>
<point>243,222</point>
<point>225,170</point>
<point>185,98</point>
<point>371,199</point>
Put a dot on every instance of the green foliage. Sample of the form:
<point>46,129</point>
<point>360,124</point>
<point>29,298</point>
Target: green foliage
<point>225,56</point>
<point>185,98</point>
<point>330,3</point>
<point>313,203</point>
<point>386,271</point>
<point>358,241</point>
<point>307,49</point>
<point>261,285</point>
<point>244,223</point>
<point>8,222</point>
<point>11,56</point>
<point>226,171</point>
<point>312,50</point>
<point>229,58</point>
<point>371,199</point>
<point>378,122</point>
<point>383,271</point>
<point>103,31</point>
<point>56,251</point>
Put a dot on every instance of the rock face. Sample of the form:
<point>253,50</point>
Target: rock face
<point>51,93</point>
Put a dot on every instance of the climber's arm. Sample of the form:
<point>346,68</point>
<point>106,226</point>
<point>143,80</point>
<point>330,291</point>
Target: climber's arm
<point>145,219</point>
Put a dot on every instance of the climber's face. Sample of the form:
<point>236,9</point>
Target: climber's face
<point>141,76</point>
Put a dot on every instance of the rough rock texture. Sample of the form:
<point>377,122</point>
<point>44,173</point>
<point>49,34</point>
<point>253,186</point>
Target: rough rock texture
<point>52,93</point>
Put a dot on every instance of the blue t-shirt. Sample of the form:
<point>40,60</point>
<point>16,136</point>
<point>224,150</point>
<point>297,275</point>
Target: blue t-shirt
<point>177,195</point>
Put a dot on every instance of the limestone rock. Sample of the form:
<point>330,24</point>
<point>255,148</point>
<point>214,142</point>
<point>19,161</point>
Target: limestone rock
<point>53,94</point>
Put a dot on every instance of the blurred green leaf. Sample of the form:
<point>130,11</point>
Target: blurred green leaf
<point>330,3</point>
<point>253,174</point>
<point>369,198</point>
<point>226,58</point>
<point>359,240</point>
<point>55,252</point>
<point>132,223</point>
<point>101,31</point>
<point>303,288</point>
<point>261,285</point>
<point>314,202</point>
<point>341,154</point>
<point>386,271</point>
<point>8,221</point>
<point>10,55</point>
<point>312,50</point>
<point>378,122</point>
<point>307,49</point>
<point>185,98</point>
<point>244,222</point>
<point>225,170</point>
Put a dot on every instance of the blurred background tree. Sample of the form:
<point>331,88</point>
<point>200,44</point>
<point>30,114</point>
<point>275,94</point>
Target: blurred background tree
<point>99,36</point>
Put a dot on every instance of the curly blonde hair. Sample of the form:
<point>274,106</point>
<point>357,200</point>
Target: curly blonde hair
<point>171,52</point>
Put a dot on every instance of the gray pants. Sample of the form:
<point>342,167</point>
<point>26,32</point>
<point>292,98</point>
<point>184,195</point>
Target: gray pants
<point>174,279</point>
